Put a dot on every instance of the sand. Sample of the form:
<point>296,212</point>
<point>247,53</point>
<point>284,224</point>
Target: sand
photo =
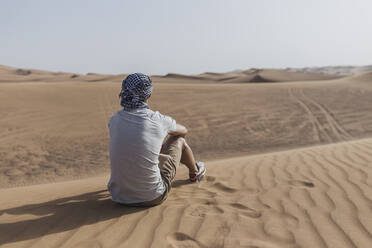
<point>312,197</point>
<point>289,163</point>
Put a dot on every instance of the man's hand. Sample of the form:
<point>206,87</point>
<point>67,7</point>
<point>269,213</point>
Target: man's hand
<point>180,131</point>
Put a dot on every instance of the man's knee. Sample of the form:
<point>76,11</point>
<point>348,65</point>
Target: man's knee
<point>179,141</point>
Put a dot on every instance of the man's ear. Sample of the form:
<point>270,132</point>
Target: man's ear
<point>148,98</point>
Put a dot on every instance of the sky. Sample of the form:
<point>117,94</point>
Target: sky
<point>189,36</point>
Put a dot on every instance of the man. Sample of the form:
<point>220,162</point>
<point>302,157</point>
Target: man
<point>143,161</point>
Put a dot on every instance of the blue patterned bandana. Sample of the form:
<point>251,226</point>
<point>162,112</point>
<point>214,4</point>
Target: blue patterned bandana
<point>135,89</point>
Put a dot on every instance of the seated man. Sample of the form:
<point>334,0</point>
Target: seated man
<point>142,166</point>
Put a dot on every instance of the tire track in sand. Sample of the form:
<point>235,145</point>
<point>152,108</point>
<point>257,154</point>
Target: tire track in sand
<point>316,126</point>
<point>325,126</point>
<point>336,127</point>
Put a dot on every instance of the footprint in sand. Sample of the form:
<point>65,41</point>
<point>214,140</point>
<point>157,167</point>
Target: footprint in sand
<point>227,189</point>
<point>210,178</point>
<point>246,211</point>
<point>224,188</point>
<point>179,239</point>
<point>203,211</point>
<point>301,183</point>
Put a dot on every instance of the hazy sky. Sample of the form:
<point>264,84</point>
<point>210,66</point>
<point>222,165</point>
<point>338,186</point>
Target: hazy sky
<point>190,36</point>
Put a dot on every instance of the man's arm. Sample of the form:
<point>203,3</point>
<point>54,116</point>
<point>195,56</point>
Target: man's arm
<point>180,131</point>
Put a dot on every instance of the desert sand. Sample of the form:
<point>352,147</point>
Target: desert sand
<point>289,158</point>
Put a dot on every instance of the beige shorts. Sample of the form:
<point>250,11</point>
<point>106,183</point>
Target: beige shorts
<point>169,161</point>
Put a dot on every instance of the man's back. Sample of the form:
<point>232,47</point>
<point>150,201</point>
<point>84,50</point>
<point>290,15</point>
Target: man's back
<point>136,138</point>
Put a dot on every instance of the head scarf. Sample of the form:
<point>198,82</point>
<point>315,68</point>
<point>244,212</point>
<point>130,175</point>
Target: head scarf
<point>135,89</point>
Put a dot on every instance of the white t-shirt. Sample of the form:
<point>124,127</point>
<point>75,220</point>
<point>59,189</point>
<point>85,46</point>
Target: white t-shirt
<point>136,137</point>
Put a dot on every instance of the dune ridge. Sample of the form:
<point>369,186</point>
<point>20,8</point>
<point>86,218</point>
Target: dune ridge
<point>363,77</point>
<point>334,70</point>
<point>255,76</point>
<point>17,75</point>
<point>20,75</point>
<point>310,197</point>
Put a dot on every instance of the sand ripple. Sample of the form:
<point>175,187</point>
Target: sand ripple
<point>312,197</point>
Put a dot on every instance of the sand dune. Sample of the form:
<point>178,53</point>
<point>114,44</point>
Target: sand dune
<point>187,77</point>
<point>362,77</point>
<point>255,76</point>
<point>312,197</point>
<point>289,163</point>
<point>58,130</point>
<point>10,74</point>
<point>271,75</point>
<point>334,70</point>
<point>20,75</point>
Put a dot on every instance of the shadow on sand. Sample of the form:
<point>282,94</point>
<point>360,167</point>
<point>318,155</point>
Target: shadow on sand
<point>180,182</point>
<point>61,215</point>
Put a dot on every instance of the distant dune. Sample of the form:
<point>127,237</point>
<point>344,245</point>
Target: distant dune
<point>19,75</point>
<point>10,74</point>
<point>271,75</point>
<point>255,76</point>
<point>362,77</point>
<point>187,77</point>
<point>334,70</point>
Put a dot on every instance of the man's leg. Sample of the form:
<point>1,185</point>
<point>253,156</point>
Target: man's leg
<point>187,156</point>
<point>174,151</point>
